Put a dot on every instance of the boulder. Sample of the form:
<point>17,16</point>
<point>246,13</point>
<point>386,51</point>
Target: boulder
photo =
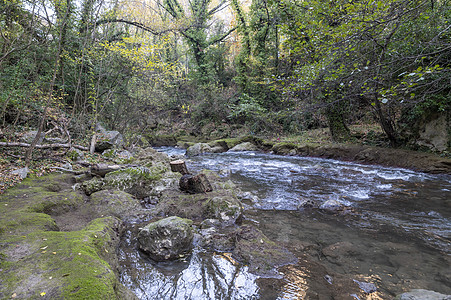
<point>91,186</point>
<point>198,149</point>
<point>167,239</point>
<point>420,294</point>
<point>247,146</point>
<point>138,181</point>
<point>75,154</point>
<point>28,137</point>
<point>115,203</point>
<point>108,139</point>
<point>150,157</point>
<point>226,209</point>
<point>22,172</point>
<point>434,134</point>
<point>332,205</point>
<point>124,155</point>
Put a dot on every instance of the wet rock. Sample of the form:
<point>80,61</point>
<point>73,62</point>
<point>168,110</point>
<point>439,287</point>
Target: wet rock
<point>248,197</point>
<point>420,294</point>
<point>115,203</point>
<point>91,186</point>
<point>339,250</point>
<point>332,205</point>
<point>367,287</point>
<point>198,149</point>
<point>307,203</point>
<point>247,146</point>
<point>262,255</point>
<point>22,172</point>
<point>217,149</point>
<point>225,209</point>
<point>166,239</point>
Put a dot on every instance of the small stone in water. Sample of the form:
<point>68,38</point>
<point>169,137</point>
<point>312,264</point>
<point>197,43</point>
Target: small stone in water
<point>329,279</point>
<point>366,286</point>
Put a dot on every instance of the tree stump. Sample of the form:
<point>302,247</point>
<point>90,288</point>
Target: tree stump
<point>179,166</point>
<point>195,184</point>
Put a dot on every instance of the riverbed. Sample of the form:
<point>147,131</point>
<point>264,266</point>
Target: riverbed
<point>358,231</point>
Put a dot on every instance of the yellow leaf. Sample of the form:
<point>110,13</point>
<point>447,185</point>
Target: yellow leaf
<point>42,294</point>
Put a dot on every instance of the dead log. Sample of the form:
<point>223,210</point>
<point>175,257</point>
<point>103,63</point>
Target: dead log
<point>103,169</point>
<point>195,184</point>
<point>44,146</point>
<point>179,166</point>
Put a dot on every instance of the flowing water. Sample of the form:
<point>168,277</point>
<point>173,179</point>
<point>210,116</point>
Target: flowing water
<point>391,234</point>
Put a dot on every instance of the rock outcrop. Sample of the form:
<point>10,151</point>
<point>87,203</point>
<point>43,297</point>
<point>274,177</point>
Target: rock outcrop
<point>166,239</point>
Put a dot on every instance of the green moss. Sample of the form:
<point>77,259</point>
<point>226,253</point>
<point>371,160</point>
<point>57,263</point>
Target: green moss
<point>67,265</point>
<point>55,203</point>
<point>110,153</point>
<point>93,185</point>
<point>284,148</point>
<point>36,258</point>
<point>230,142</point>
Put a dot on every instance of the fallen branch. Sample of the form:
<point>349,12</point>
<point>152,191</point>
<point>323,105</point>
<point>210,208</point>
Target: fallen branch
<point>45,146</point>
<point>70,171</point>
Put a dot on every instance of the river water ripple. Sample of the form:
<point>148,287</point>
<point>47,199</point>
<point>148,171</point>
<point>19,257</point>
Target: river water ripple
<point>391,234</point>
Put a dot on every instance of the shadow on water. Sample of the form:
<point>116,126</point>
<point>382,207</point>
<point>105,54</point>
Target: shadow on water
<point>390,235</point>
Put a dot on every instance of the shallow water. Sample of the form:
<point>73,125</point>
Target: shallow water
<point>391,235</point>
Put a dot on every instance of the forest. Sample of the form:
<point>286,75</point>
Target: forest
<point>219,68</point>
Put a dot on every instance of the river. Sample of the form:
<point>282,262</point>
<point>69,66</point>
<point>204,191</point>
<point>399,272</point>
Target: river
<point>390,234</point>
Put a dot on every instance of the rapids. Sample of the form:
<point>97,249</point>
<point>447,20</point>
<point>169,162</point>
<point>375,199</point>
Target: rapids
<point>390,234</point>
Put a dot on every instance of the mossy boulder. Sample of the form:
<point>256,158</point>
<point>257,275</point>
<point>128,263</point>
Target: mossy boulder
<point>115,203</point>
<point>75,154</point>
<point>161,140</point>
<point>93,185</point>
<point>284,148</point>
<point>166,239</point>
<point>173,202</point>
<point>226,209</point>
<point>138,181</point>
<point>198,149</point>
<point>246,146</point>
<point>108,139</point>
<point>39,261</point>
<point>149,157</point>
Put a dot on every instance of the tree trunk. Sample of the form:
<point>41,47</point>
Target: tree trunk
<point>337,125</point>
<point>103,169</point>
<point>179,166</point>
<point>194,184</point>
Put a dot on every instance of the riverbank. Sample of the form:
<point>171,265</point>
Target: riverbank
<point>391,157</point>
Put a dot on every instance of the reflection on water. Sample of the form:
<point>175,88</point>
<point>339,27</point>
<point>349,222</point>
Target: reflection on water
<point>393,236</point>
<point>201,276</point>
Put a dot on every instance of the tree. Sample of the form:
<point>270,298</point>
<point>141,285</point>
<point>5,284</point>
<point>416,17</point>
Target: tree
<point>353,51</point>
